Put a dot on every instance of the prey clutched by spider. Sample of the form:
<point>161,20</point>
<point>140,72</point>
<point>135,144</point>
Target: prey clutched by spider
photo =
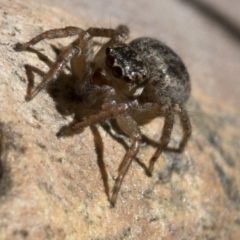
<point>131,82</point>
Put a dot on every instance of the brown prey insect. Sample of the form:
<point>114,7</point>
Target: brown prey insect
<point>132,83</point>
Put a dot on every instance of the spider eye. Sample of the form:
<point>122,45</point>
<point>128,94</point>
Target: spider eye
<point>127,79</point>
<point>108,50</point>
<point>144,75</point>
<point>117,72</point>
<point>109,61</point>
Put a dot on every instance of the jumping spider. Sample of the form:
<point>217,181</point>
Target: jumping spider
<point>132,83</point>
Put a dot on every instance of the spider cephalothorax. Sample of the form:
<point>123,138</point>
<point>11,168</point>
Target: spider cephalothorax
<point>133,83</point>
<point>128,72</point>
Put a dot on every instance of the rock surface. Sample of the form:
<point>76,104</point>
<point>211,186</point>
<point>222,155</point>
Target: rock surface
<point>54,188</point>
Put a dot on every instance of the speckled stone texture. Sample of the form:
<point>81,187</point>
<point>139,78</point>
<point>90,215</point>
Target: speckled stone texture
<point>54,188</point>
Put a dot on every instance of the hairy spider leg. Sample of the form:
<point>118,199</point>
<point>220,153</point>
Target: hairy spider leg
<point>130,127</point>
<point>111,112</point>
<point>165,138</point>
<point>50,34</point>
<point>54,71</point>
<point>29,71</point>
<point>187,128</point>
<point>120,34</point>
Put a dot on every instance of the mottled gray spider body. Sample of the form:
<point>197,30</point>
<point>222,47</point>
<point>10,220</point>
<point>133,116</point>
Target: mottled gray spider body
<point>133,83</point>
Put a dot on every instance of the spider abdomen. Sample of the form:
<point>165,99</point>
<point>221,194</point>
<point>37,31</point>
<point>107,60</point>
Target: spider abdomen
<point>168,79</point>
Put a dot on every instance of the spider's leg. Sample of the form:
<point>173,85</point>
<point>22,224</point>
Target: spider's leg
<point>41,56</point>
<point>30,70</point>
<point>187,130</point>
<point>111,112</point>
<point>129,126</point>
<point>55,70</point>
<point>120,34</point>
<point>165,138</point>
<point>50,34</point>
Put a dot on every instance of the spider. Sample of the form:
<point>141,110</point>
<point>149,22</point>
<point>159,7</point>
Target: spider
<point>131,82</point>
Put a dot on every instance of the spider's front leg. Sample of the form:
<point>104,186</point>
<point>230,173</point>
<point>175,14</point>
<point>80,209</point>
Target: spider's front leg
<point>120,34</point>
<point>50,34</point>
<point>109,112</point>
<point>54,71</point>
<point>187,128</point>
<point>130,127</point>
<point>80,53</point>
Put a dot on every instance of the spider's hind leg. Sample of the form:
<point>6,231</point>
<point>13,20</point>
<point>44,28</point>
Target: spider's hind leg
<point>186,128</point>
<point>165,138</point>
<point>166,134</point>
